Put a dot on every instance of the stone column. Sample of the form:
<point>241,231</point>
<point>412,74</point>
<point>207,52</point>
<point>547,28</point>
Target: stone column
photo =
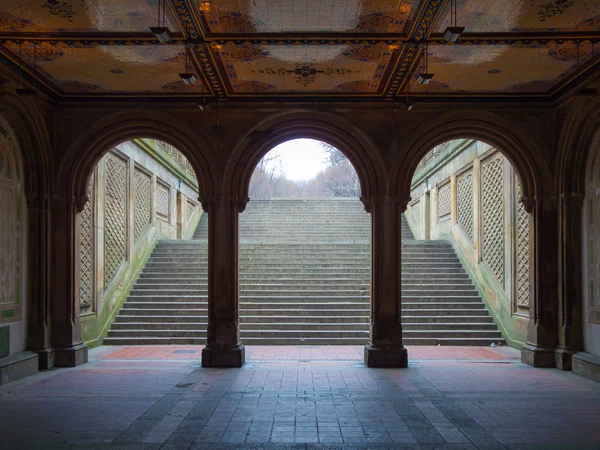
<point>66,327</point>
<point>223,346</point>
<point>180,215</point>
<point>385,348</point>
<point>542,331</point>
<point>38,333</point>
<point>426,215</point>
<point>570,312</point>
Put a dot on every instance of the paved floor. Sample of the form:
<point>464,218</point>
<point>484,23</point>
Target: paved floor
<point>301,398</point>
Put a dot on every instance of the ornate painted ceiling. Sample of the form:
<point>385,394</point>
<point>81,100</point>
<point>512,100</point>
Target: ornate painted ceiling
<point>303,49</point>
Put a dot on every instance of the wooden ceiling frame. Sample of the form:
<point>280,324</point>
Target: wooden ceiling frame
<point>206,60</point>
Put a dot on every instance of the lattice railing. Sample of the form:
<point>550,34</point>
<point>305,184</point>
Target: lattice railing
<point>86,255</point>
<point>492,216</point>
<point>444,202</point>
<point>522,250</point>
<point>115,226</point>
<point>142,194</point>
<point>464,188</point>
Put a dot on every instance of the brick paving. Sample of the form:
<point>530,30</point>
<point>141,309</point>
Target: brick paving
<point>302,398</point>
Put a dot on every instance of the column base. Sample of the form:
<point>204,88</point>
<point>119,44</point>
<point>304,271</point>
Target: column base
<point>587,365</point>
<point>537,356</point>
<point>45,358</point>
<point>563,358</point>
<point>17,366</point>
<point>71,356</point>
<point>385,357</point>
<point>224,357</point>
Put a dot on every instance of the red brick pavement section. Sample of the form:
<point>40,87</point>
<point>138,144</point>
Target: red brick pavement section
<point>294,353</point>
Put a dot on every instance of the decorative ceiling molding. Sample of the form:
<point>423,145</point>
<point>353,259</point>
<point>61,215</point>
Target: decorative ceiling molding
<point>421,29</point>
<point>177,38</point>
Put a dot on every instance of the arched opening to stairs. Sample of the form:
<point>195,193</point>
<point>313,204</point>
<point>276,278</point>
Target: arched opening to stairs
<point>304,250</point>
<point>466,271</point>
<point>140,278</point>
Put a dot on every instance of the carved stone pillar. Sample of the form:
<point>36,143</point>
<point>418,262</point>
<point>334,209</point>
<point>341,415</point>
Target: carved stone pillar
<point>570,338</point>
<point>66,327</point>
<point>38,333</point>
<point>223,346</point>
<point>385,348</point>
<point>542,331</point>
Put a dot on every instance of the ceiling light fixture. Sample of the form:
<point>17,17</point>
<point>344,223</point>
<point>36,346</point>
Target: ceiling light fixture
<point>162,33</point>
<point>407,103</point>
<point>425,77</point>
<point>203,105</point>
<point>453,32</point>
<point>188,78</point>
<point>26,92</point>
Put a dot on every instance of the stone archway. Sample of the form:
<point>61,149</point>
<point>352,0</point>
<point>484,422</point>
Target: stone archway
<point>71,197</point>
<point>537,196</point>
<point>385,348</point>
<point>577,147</point>
<point>33,139</point>
<point>13,240</point>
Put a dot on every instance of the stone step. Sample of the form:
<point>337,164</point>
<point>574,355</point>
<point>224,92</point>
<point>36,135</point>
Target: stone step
<point>439,303</point>
<point>303,288</point>
<point>361,310</point>
<point>151,281</point>
<point>155,341</point>
<point>466,319</point>
<point>313,319</point>
<point>157,304</point>
<point>155,318</point>
<point>171,294</point>
<point>470,341</point>
<point>308,306</point>
<point>171,299</point>
<point>163,310</point>
<point>440,311</point>
<point>287,292</point>
<point>249,334</point>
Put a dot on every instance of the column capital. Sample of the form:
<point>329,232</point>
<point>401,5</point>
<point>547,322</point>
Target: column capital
<point>400,202</point>
<point>546,203</point>
<point>80,201</point>
<point>211,201</point>
<point>572,199</point>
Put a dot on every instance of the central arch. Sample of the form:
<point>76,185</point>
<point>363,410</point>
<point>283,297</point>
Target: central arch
<point>325,127</point>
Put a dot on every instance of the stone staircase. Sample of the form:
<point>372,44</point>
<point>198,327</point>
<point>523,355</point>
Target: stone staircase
<point>304,280</point>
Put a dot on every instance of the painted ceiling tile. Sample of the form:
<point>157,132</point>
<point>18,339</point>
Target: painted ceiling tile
<point>305,69</point>
<point>275,16</point>
<point>111,69</point>
<point>81,15</point>
<point>498,68</point>
<point>479,16</point>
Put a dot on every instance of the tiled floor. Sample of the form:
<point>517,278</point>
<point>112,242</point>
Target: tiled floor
<point>301,397</point>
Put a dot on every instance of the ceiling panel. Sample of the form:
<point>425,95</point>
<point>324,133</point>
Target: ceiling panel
<point>80,15</point>
<point>301,69</point>
<point>110,69</point>
<point>276,16</point>
<point>499,68</point>
<point>495,16</point>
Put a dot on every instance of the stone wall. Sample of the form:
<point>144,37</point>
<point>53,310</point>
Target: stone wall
<point>468,193</point>
<point>139,192</point>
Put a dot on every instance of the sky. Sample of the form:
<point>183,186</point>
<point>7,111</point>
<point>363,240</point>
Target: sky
<point>301,159</point>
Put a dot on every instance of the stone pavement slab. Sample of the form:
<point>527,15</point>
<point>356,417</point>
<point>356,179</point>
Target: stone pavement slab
<point>160,398</point>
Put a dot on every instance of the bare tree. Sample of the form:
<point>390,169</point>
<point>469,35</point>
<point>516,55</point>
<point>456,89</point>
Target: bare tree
<point>265,177</point>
